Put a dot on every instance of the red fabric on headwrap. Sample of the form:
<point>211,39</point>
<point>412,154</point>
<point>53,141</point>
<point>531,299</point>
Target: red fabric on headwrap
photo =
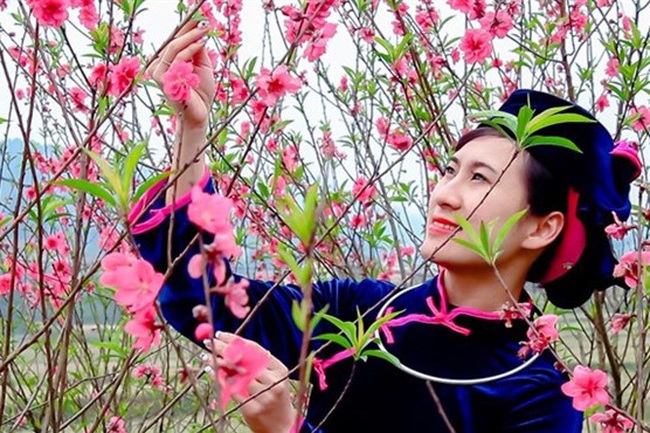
<point>572,243</point>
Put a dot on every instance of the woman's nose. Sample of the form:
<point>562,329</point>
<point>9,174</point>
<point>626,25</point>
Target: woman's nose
<point>448,195</point>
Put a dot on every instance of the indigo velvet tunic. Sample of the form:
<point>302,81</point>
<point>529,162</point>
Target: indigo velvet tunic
<point>463,343</point>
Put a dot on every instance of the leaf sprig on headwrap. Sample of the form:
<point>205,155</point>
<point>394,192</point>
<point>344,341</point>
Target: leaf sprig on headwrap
<point>524,127</point>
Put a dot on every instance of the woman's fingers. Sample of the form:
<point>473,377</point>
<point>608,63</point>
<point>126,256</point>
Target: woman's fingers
<point>182,48</point>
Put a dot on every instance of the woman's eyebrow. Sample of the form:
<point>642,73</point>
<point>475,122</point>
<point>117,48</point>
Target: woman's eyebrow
<point>475,164</point>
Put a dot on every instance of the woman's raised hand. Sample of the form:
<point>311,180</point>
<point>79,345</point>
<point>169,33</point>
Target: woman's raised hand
<point>271,411</point>
<point>189,46</point>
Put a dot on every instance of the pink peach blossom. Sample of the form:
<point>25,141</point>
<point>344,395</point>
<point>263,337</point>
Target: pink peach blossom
<point>476,45</point>
<point>618,229</point>
<point>210,212</point>
<point>242,363</point>
<point>362,191</point>
<point>273,85</point>
<point>642,123</point>
<point>628,267</point>
<point>179,81</point>
<point>142,326</point>
<point>612,67</point>
<point>122,75</point>
<point>620,321</point>
<point>612,421</point>
<point>50,13</point>
<point>587,388</point>
<point>543,334</point>
<point>203,331</point>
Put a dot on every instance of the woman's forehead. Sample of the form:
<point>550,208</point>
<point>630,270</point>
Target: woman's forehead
<point>493,151</point>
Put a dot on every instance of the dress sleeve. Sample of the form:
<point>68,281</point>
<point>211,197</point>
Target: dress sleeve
<point>272,325</point>
<point>540,406</point>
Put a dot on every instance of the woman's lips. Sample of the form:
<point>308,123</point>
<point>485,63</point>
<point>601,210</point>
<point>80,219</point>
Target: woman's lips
<point>441,226</point>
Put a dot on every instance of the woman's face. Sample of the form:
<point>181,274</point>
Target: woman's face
<point>473,170</point>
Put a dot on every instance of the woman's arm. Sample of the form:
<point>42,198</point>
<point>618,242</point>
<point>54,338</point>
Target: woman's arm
<point>160,237</point>
<point>192,116</point>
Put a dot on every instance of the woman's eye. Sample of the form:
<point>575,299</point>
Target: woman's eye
<point>479,176</point>
<point>449,170</point>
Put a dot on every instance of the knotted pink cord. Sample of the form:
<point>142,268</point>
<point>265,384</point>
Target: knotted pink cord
<point>320,365</point>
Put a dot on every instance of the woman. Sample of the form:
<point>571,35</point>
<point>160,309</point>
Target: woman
<point>460,335</point>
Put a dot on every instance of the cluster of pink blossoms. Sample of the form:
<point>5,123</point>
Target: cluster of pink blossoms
<point>310,27</point>
<point>136,285</point>
<point>476,44</point>
<point>115,79</point>
<point>396,138</point>
<point>54,13</point>
<point>211,213</point>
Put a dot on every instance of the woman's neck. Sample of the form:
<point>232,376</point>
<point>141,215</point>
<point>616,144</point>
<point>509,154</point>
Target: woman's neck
<point>480,290</point>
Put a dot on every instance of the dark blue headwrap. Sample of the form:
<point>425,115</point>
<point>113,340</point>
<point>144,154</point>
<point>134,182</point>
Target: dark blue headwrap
<point>601,177</point>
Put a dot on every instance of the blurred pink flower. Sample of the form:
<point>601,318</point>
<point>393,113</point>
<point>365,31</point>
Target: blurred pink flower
<point>612,67</point>
<point>88,16</point>
<point>357,221</point>
<point>642,123</point>
<point>203,332</point>
<point>587,388</point>
<point>318,43</point>
<point>122,75</point>
<point>136,282</point>
<point>210,212</point>
<point>78,99</point>
<point>142,326</point>
<point>98,76</point>
<point>476,45</point>
<point>236,297</point>
<point>151,374</point>
<point>465,6</point>
<point>620,321</point>
<point>179,80</point>
<point>618,229</point>
<point>497,25</point>
<point>363,195</point>
<point>628,267</point>
<point>602,102</point>
<point>544,333</point>
<point>242,363</point>
<point>399,141</point>
<point>115,425</point>
<point>273,85</point>
<point>50,13</point>
<point>612,421</point>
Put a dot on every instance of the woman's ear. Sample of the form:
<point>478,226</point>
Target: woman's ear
<point>543,230</point>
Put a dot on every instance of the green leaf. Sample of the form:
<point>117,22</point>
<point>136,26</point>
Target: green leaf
<point>468,229</point>
<point>296,314</point>
<point>504,230</point>
<point>91,188</point>
<point>525,114</point>
<point>129,164</point>
<point>111,346</point>
<point>336,338</point>
<point>382,320</point>
<point>551,141</point>
<point>543,116</point>
<point>348,328</point>
<point>3,120</point>
<point>107,171</point>
<point>383,355</point>
<point>472,247</point>
<point>484,232</point>
<point>557,119</point>
<point>144,186</point>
